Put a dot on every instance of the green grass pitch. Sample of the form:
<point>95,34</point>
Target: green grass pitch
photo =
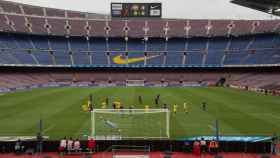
<point>238,112</point>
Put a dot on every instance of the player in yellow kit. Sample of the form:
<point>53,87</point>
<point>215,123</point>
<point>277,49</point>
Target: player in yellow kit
<point>186,108</point>
<point>103,105</point>
<point>85,108</point>
<point>146,108</point>
<point>117,104</point>
<point>175,106</point>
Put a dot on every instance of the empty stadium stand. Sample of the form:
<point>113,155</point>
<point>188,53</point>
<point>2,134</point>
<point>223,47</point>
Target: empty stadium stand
<point>41,37</point>
<point>251,50</point>
<point>256,80</point>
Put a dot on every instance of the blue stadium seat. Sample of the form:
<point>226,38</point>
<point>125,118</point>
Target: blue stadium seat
<point>234,58</point>
<point>196,44</point>
<point>7,57</point>
<point>23,42</point>
<point>240,43</point>
<point>40,42</point>
<point>208,52</point>
<point>99,59</point>
<point>98,44</point>
<point>43,57</point>
<point>194,59</point>
<point>263,41</point>
<point>216,51</point>
<point>59,43</point>
<point>115,44</point>
<point>174,58</point>
<point>24,57</point>
<point>7,41</point>
<point>78,44</point>
<point>81,58</point>
<point>157,61</point>
<point>62,58</point>
<point>176,44</point>
<point>136,45</point>
<point>154,44</point>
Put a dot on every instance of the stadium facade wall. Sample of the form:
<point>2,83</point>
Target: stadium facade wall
<point>18,17</point>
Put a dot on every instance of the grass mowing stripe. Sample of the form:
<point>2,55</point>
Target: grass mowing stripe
<point>244,115</point>
<point>203,118</point>
<point>24,117</point>
<point>239,112</point>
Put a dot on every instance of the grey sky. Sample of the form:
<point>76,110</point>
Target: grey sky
<point>187,9</point>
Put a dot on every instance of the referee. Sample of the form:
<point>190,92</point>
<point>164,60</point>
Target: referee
<point>204,106</point>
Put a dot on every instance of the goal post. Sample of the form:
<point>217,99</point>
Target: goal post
<point>130,151</point>
<point>115,124</point>
<point>135,83</point>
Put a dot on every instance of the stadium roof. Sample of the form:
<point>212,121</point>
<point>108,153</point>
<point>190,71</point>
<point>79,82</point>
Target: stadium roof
<point>174,9</point>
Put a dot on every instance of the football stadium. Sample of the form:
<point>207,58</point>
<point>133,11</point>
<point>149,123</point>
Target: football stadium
<point>140,79</point>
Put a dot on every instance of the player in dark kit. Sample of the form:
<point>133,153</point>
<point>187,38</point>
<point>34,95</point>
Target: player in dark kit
<point>90,102</point>
<point>165,106</point>
<point>157,99</point>
<point>107,101</point>
<point>204,108</point>
<point>140,99</point>
<point>114,106</point>
<point>158,96</point>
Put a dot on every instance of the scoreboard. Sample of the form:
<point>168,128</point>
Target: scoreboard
<point>136,10</point>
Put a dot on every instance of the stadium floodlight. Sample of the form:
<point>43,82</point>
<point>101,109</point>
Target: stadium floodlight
<point>110,124</point>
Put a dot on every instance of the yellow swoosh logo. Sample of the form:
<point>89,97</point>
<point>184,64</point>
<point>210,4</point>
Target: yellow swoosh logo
<point>120,60</point>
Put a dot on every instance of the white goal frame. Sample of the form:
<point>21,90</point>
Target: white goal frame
<point>135,83</point>
<point>131,112</point>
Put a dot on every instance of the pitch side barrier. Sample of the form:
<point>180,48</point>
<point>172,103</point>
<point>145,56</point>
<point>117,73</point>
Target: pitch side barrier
<point>126,68</point>
<point>262,146</point>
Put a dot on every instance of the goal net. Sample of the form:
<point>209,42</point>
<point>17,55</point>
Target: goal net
<point>117,124</point>
<point>135,83</point>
